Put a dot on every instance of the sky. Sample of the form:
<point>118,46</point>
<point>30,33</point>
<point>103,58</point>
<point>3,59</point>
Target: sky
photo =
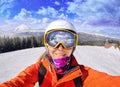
<point>98,58</point>
<point>37,14</point>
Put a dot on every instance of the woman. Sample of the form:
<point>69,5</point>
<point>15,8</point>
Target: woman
<point>58,67</point>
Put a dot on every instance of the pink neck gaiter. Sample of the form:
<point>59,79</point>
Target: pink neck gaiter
<point>61,64</point>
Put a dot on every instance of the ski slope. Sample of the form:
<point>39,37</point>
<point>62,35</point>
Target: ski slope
<point>99,58</point>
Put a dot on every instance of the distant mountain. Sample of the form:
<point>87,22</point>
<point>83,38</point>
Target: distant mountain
<point>25,31</point>
<point>94,39</point>
<point>111,32</point>
<point>91,37</point>
<point>21,28</point>
<point>82,35</point>
<point>104,30</point>
<point>36,33</point>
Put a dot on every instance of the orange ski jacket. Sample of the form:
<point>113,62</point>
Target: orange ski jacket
<point>79,76</point>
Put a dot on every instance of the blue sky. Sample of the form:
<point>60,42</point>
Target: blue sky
<point>86,15</point>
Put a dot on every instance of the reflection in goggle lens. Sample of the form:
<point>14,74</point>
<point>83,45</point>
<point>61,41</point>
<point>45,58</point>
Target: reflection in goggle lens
<point>65,38</point>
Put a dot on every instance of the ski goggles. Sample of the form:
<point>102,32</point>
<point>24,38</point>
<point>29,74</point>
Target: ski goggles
<point>67,38</point>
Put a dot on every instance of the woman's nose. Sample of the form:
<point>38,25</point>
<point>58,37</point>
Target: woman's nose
<point>60,47</point>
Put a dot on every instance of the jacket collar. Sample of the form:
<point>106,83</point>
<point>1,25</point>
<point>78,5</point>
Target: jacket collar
<point>73,70</point>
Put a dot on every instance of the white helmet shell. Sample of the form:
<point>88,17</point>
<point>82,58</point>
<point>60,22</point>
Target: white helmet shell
<point>63,24</point>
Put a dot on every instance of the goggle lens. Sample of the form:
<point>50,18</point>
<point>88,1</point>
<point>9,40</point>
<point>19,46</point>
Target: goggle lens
<point>66,38</point>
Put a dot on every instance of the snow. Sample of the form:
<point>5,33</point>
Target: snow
<point>99,58</point>
<point>96,57</point>
<point>21,27</point>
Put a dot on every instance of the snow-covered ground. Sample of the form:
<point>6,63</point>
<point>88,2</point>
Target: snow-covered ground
<point>99,58</point>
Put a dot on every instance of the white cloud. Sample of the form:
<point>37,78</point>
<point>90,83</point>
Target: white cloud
<point>24,17</point>
<point>63,16</point>
<point>94,10</point>
<point>8,25</point>
<point>45,20</point>
<point>52,13</point>
<point>32,23</point>
<point>39,23</point>
<point>24,14</point>
<point>84,13</point>
<point>57,3</point>
<point>48,12</point>
<point>61,9</point>
<point>5,5</point>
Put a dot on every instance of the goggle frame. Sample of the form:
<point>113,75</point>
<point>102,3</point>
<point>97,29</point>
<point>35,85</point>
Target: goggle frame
<point>61,29</point>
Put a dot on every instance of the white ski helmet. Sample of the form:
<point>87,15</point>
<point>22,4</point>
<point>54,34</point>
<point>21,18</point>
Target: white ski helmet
<point>60,24</point>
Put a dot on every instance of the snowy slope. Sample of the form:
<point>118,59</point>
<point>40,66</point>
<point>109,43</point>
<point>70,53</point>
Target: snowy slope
<point>99,58</point>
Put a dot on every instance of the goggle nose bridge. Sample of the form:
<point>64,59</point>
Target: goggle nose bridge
<point>60,43</point>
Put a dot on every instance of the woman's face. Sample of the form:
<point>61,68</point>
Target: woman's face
<point>59,52</point>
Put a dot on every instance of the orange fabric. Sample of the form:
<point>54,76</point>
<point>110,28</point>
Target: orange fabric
<point>100,79</point>
<point>50,79</point>
<point>90,77</point>
<point>27,78</point>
